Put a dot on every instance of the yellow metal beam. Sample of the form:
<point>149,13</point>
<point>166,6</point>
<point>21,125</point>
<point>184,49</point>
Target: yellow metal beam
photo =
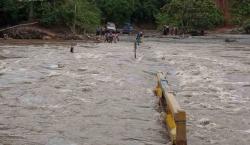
<point>175,115</point>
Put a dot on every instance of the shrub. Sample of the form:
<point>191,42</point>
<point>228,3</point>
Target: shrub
<point>191,14</point>
<point>246,26</point>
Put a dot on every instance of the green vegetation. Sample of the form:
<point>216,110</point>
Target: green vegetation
<point>240,10</point>
<point>89,13</point>
<point>117,11</point>
<point>79,15</point>
<point>12,12</point>
<point>246,26</point>
<point>136,11</point>
<point>190,15</point>
<point>85,15</point>
<point>146,10</point>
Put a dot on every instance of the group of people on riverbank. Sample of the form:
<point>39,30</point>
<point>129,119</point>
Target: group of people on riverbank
<point>109,36</point>
<point>112,36</point>
<point>167,30</point>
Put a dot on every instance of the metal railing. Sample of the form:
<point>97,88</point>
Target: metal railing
<point>175,117</point>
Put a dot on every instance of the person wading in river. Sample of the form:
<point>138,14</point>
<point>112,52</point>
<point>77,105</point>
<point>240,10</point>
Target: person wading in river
<point>139,38</point>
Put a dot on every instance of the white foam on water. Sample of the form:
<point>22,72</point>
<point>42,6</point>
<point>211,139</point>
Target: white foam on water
<point>83,68</point>
<point>158,54</point>
<point>60,141</point>
<point>120,82</point>
<point>3,67</point>
<point>71,74</point>
<point>22,69</point>
<point>104,78</point>
<point>78,56</point>
<point>52,66</point>
<point>91,55</point>
<point>244,131</point>
<point>149,91</point>
<point>109,54</point>
<point>65,90</point>
<point>52,106</point>
<point>18,61</point>
<point>236,83</point>
<point>6,51</point>
<point>82,99</point>
<point>139,58</point>
<point>53,74</point>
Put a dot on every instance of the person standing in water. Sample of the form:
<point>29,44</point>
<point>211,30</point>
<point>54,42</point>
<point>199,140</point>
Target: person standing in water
<point>139,37</point>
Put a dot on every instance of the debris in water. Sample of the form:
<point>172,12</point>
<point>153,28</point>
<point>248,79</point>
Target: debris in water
<point>53,74</point>
<point>83,69</point>
<point>72,49</point>
<point>86,89</point>
<point>54,66</point>
<point>188,95</point>
<point>204,121</point>
<point>230,40</point>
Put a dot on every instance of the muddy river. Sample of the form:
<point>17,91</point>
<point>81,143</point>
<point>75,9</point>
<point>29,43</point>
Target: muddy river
<point>101,95</point>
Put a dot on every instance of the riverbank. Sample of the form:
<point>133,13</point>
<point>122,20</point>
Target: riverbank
<point>36,31</point>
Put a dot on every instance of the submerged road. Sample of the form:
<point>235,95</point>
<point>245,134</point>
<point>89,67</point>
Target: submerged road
<point>101,95</point>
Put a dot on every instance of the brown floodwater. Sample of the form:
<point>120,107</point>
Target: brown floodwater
<point>101,95</point>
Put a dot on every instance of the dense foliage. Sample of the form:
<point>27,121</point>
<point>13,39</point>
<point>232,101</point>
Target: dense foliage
<point>190,14</point>
<point>240,10</point>
<point>76,14</point>
<point>246,26</point>
<point>80,15</point>
<point>117,11</point>
<point>11,12</point>
<point>86,15</point>
<point>61,12</point>
<point>136,11</point>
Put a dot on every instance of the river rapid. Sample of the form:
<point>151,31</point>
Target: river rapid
<point>102,95</point>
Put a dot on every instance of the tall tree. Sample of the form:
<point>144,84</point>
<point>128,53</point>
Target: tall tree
<point>240,10</point>
<point>11,12</point>
<point>191,14</point>
<point>76,14</point>
<point>118,11</point>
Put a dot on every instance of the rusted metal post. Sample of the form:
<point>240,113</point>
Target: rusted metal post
<point>72,48</point>
<point>135,48</point>
<point>180,119</point>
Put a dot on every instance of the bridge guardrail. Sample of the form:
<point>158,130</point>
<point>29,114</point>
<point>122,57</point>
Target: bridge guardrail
<point>175,118</point>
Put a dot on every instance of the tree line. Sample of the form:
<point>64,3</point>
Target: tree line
<point>86,15</point>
